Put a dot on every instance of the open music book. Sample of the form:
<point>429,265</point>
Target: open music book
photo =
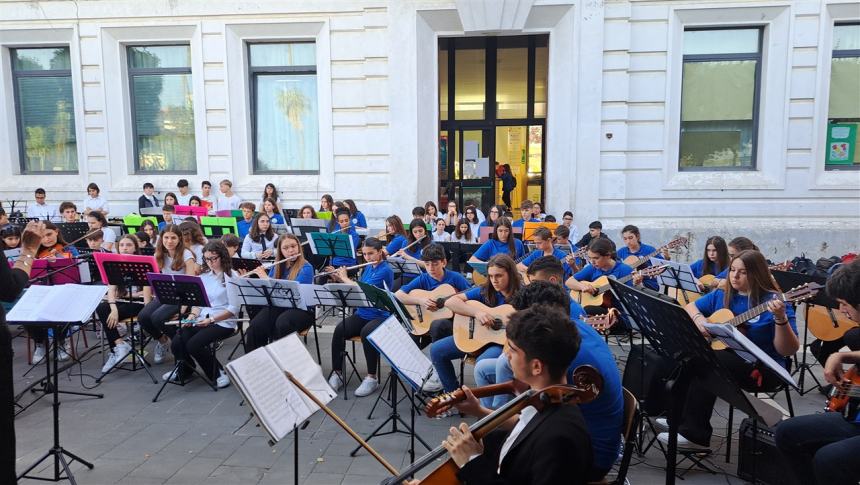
<point>276,402</point>
<point>747,350</point>
<point>392,341</point>
<point>60,303</point>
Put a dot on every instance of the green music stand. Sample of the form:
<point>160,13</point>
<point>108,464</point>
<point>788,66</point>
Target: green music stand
<point>218,226</point>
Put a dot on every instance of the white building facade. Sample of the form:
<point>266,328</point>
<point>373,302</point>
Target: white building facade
<point>364,119</point>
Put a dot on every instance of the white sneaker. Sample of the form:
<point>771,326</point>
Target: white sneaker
<point>661,425</point>
<point>222,381</point>
<point>161,351</point>
<point>683,443</point>
<point>64,352</point>
<point>368,386</point>
<point>39,354</point>
<point>335,381</point>
<point>171,376</point>
<point>433,384</point>
<point>118,354</point>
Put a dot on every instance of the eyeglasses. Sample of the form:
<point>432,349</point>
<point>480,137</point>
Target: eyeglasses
<point>494,211</point>
<point>212,258</point>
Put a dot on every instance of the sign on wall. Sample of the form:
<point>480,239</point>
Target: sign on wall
<point>841,143</point>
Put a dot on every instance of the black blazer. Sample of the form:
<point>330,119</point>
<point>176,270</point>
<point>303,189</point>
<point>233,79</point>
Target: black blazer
<point>554,448</point>
<point>142,202</point>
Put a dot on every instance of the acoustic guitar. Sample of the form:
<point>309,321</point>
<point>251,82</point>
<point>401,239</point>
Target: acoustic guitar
<point>636,261</point>
<point>601,297</point>
<point>724,315</point>
<point>479,279</point>
<point>827,325</point>
<point>842,394</point>
<point>708,279</point>
<point>422,317</point>
<point>471,336</point>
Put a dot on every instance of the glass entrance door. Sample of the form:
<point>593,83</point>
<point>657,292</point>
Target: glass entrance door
<point>469,173</point>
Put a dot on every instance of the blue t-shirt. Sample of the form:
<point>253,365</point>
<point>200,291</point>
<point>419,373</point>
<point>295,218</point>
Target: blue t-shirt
<point>476,295</point>
<point>487,223</point>
<point>493,247</point>
<point>522,222</point>
<point>276,219</point>
<point>591,273</point>
<point>644,250</point>
<point>396,244</point>
<point>604,415</point>
<point>723,274</point>
<point>244,227</point>
<point>338,261</point>
<point>358,220</point>
<point>427,282</point>
<point>305,275</point>
<point>415,251</point>
<point>379,276</point>
<point>760,329</point>
<point>576,310</point>
<point>534,255</point>
<point>698,268</point>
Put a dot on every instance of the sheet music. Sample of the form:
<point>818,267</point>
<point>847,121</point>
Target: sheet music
<point>667,277</point>
<point>309,293</point>
<point>747,350</point>
<point>392,341</point>
<point>266,389</point>
<point>233,297</point>
<point>60,303</point>
<point>292,356</point>
<point>12,254</point>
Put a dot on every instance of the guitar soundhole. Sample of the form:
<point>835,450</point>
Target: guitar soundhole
<point>497,324</point>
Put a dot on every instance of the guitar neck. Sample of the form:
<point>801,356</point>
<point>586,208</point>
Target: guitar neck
<point>644,259</point>
<point>751,313</point>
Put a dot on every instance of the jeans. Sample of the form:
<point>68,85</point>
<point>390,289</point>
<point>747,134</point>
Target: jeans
<point>821,448</point>
<point>493,371</point>
<point>443,351</point>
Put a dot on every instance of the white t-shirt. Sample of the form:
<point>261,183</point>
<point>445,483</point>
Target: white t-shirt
<point>109,237</point>
<point>95,203</point>
<point>45,212</point>
<point>228,203</point>
<point>168,262</point>
<point>184,199</point>
<point>444,237</point>
<point>216,291</point>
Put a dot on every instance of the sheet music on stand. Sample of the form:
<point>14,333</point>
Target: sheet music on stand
<point>384,299</point>
<point>302,227</point>
<point>265,292</point>
<point>12,254</point>
<point>63,303</point>
<point>340,295</point>
<point>404,267</point>
<point>747,350</point>
<point>397,346</point>
<point>276,402</point>
<point>335,244</point>
<point>677,275</point>
<point>281,229</point>
<point>479,266</point>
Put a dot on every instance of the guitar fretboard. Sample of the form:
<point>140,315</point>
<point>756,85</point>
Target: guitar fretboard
<point>752,312</point>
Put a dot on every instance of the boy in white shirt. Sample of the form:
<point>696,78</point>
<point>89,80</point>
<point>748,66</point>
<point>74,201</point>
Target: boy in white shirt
<point>41,209</point>
<point>94,202</point>
<point>206,195</point>
<point>184,195</point>
<point>228,200</point>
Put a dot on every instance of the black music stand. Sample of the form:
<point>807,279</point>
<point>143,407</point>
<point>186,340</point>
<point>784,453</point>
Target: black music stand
<point>128,274</point>
<point>786,280</point>
<point>303,227</point>
<point>677,275</point>
<point>331,244</point>
<point>246,264</point>
<point>179,290</point>
<point>75,231</point>
<point>52,385</point>
<point>673,334</point>
<point>403,269</point>
<point>343,296</point>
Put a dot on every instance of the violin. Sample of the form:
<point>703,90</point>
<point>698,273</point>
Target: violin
<point>586,386</point>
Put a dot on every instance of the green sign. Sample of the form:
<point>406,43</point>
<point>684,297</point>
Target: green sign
<point>841,143</point>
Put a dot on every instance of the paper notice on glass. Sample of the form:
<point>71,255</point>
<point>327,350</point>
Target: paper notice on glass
<point>747,350</point>
<point>62,303</point>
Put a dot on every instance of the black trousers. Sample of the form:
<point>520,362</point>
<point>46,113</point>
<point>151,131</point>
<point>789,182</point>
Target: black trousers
<point>272,323</point>
<point>699,405</point>
<point>152,318</point>
<point>125,310</point>
<point>822,350</point>
<point>353,327</point>
<point>7,407</point>
<point>40,336</point>
<point>821,448</point>
<point>191,345</point>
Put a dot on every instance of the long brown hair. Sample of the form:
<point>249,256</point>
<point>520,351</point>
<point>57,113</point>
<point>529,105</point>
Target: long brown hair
<point>296,265</point>
<point>397,224</point>
<point>161,252</point>
<point>194,232</point>
<point>506,263</point>
<point>722,261</point>
<point>61,241</point>
<point>505,222</point>
<point>255,233</point>
<point>418,222</point>
<point>758,276</point>
<point>220,249</point>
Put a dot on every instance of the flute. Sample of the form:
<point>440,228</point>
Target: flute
<point>269,265</point>
<point>348,268</point>
<point>404,248</point>
<point>174,323</point>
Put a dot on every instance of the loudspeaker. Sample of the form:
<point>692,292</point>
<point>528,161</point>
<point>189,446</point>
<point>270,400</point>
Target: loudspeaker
<point>759,458</point>
<point>645,376</point>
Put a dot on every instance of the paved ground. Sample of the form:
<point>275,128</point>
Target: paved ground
<point>194,435</point>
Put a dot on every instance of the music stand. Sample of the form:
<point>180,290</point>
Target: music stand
<point>179,290</point>
<point>403,269</point>
<point>786,280</point>
<point>334,244</point>
<point>57,272</point>
<point>677,275</point>
<point>246,264</point>
<point>218,226</point>
<point>343,296</point>
<point>485,233</point>
<point>479,266</point>
<point>74,231</point>
<point>673,334</point>
<point>303,227</point>
<point>127,270</point>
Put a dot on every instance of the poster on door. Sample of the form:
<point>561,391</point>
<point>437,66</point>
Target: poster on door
<point>841,143</point>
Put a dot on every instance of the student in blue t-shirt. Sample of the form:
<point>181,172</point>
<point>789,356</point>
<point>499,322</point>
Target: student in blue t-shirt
<point>503,281</point>
<point>714,261</point>
<point>774,331</point>
<point>633,246</point>
<point>493,215</point>
<point>243,226</point>
<point>356,218</point>
<point>273,323</point>
<point>346,227</point>
<point>543,247</point>
<point>417,240</point>
<point>378,274</point>
<point>527,214</point>
<point>602,262</point>
<point>734,247</point>
<point>604,415</point>
<point>503,241</point>
<point>395,234</point>
<point>562,239</point>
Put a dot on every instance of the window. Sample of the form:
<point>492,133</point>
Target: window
<point>843,118</point>
<point>162,108</point>
<point>284,107</point>
<point>719,99</point>
<point>45,112</point>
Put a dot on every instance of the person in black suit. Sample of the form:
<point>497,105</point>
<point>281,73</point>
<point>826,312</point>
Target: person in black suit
<point>12,283</point>
<point>546,446</point>
<point>148,199</point>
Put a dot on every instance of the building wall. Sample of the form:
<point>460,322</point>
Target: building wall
<point>613,120</point>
